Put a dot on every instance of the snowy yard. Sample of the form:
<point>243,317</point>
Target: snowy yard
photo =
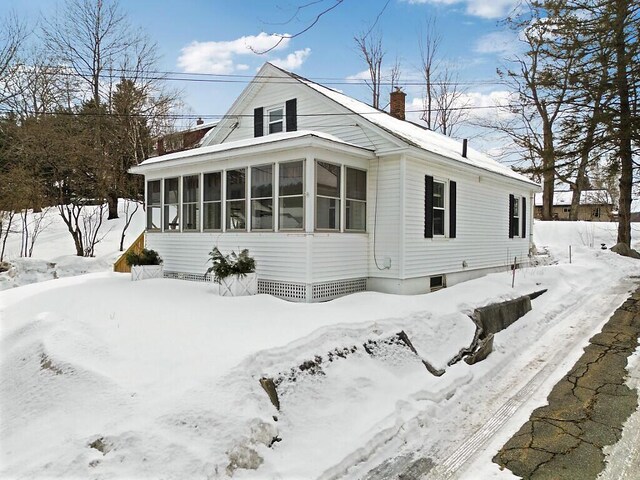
<point>165,374</point>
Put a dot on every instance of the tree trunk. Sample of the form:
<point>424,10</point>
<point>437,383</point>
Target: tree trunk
<point>548,172</point>
<point>625,124</point>
<point>112,199</point>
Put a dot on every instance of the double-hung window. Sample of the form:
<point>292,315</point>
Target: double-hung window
<point>291,195</point>
<point>236,199</point>
<point>212,200</point>
<point>517,216</point>
<point>355,199</point>
<point>171,204</point>
<point>440,198</point>
<point>438,208</point>
<point>154,205</point>
<point>191,203</point>
<point>275,119</point>
<point>262,197</point>
<point>327,196</point>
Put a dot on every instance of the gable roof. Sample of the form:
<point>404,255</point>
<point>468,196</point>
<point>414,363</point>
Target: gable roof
<point>411,133</point>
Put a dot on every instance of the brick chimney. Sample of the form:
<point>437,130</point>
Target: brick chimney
<point>396,105</point>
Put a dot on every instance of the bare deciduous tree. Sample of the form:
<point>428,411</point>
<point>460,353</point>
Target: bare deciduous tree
<point>429,44</point>
<point>369,47</point>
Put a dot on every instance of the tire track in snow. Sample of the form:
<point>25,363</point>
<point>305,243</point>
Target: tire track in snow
<point>598,314</point>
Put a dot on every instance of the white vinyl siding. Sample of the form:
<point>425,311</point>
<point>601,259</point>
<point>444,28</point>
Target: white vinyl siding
<point>279,256</point>
<point>482,239</point>
<point>312,109</point>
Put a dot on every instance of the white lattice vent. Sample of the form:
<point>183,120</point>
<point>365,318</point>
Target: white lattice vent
<point>191,277</point>
<point>338,288</point>
<point>288,291</point>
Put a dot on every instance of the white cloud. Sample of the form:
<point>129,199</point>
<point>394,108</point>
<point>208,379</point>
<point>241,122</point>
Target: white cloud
<point>478,8</point>
<point>487,104</point>
<point>358,77</point>
<point>293,60</point>
<point>220,57</point>
<point>502,43</point>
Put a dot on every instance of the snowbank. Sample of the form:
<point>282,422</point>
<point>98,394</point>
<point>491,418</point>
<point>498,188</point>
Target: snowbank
<point>104,377</point>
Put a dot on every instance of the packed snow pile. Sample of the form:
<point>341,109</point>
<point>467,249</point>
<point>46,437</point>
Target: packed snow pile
<point>104,377</point>
<point>53,253</point>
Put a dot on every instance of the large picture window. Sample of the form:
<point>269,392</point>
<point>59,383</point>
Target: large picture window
<point>327,196</point>
<point>291,195</point>
<point>212,201</point>
<point>262,197</point>
<point>171,204</point>
<point>236,199</point>
<point>154,205</point>
<point>356,200</point>
<point>191,203</point>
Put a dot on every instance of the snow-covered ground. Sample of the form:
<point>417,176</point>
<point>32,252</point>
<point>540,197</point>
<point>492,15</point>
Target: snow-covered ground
<point>162,376</point>
<point>54,251</point>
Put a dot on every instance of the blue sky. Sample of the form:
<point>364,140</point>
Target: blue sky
<point>211,36</point>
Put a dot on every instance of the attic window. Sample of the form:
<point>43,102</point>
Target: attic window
<point>276,120</point>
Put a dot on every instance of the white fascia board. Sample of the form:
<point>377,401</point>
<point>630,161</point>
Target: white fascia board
<point>452,163</point>
<point>308,141</point>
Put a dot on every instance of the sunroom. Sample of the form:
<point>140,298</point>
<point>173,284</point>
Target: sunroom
<point>296,200</point>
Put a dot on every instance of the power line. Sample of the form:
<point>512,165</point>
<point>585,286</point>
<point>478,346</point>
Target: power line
<point>213,116</point>
<point>115,73</point>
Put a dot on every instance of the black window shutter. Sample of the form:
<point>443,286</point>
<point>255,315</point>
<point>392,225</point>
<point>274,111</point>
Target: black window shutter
<point>258,122</point>
<point>291,107</point>
<point>524,217</point>
<point>452,209</point>
<point>428,206</point>
<point>511,201</point>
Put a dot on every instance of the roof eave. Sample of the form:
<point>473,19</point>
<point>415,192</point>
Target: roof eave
<point>192,157</point>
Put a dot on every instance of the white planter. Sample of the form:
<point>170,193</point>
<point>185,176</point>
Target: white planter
<point>145,272</point>
<point>238,285</point>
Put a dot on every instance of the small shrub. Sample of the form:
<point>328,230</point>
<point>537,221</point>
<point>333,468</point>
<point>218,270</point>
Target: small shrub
<point>232,264</point>
<point>145,257</point>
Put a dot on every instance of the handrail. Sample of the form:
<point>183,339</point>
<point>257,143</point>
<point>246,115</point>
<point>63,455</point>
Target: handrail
<point>121,264</point>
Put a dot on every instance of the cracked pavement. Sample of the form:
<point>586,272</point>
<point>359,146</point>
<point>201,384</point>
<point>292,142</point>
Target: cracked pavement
<point>586,410</point>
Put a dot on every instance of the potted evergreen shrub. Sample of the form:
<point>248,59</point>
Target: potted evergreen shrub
<point>234,273</point>
<point>145,264</point>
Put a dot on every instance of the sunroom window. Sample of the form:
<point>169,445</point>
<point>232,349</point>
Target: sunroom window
<point>262,197</point>
<point>291,195</point>
<point>171,204</point>
<point>276,120</point>
<point>327,196</point>
<point>212,200</point>
<point>191,202</point>
<point>236,199</point>
<point>356,199</point>
<point>154,205</point>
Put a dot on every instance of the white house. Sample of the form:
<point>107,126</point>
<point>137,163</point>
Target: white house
<point>332,196</point>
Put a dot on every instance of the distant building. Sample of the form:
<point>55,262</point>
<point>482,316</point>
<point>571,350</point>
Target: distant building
<point>595,206</point>
<point>182,140</point>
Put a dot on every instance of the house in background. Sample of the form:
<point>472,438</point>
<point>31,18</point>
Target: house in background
<point>183,139</point>
<point>595,206</point>
<point>332,196</point>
